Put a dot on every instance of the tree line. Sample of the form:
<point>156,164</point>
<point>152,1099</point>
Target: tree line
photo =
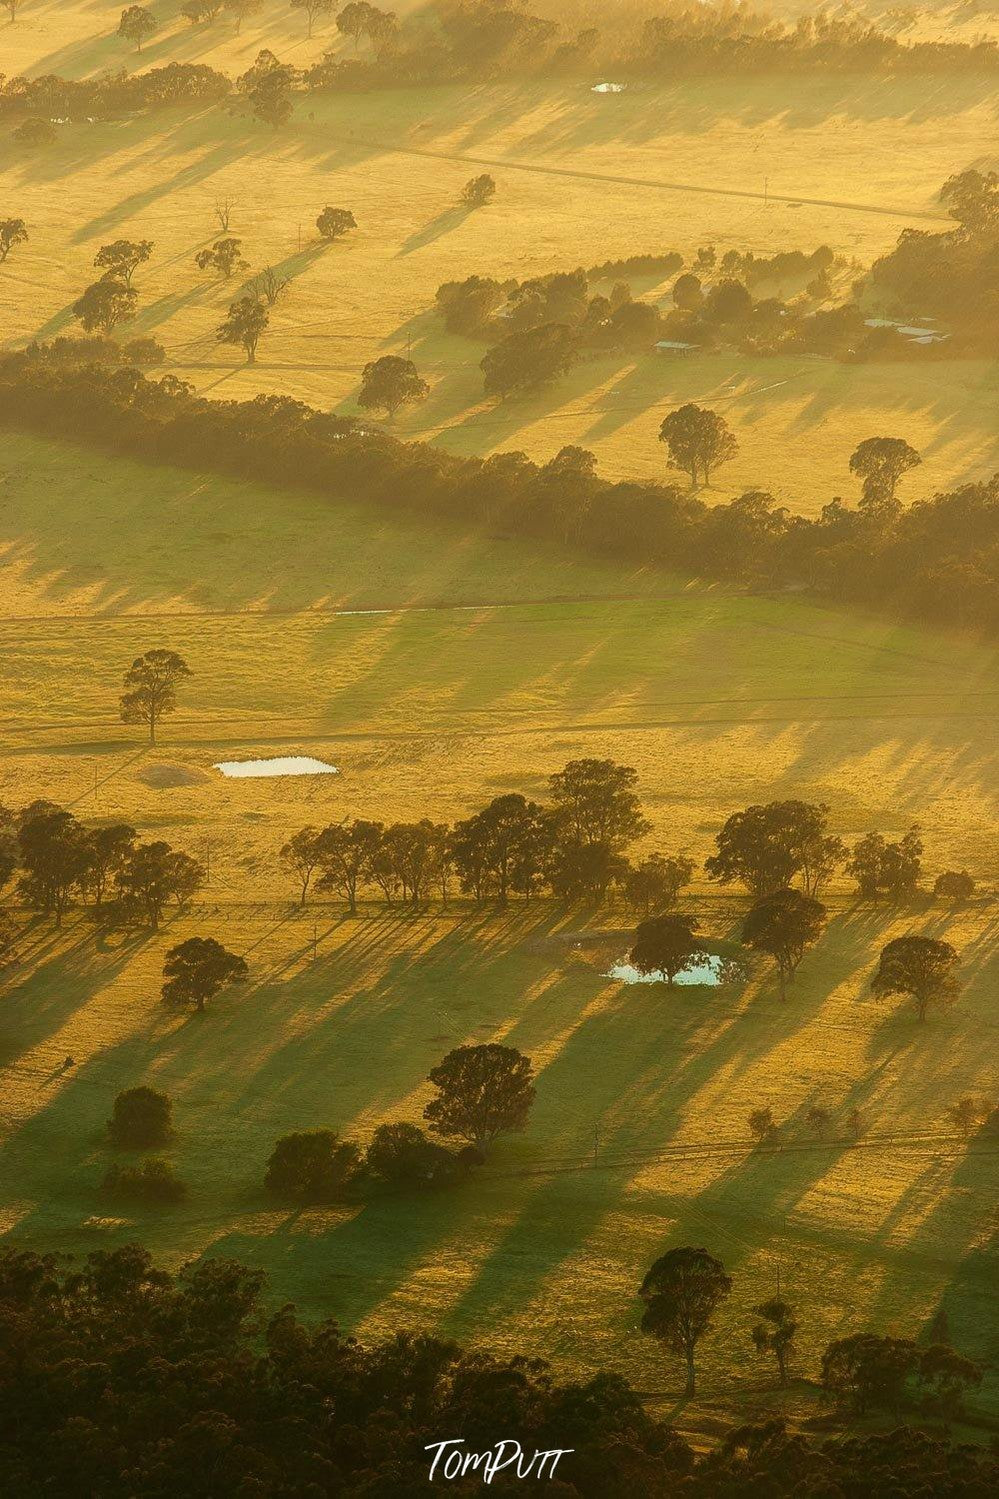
<point>125,1379</point>
<point>934,561</point>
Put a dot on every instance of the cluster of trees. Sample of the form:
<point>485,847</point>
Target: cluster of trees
<point>934,561</point>
<point>954,275</point>
<point>683,1290</point>
<point>59,860</point>
<point>574,846</point>
<point>124,1379</point>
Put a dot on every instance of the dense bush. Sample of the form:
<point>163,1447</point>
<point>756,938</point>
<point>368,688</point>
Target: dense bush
<point>311,1166</point>
<point>141,1117</point>
<point>152,1181</point>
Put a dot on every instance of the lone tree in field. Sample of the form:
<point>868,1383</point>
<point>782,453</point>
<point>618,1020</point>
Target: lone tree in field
<point>106,304</point>
<point>224,257</point>
<point>666,945</point>
<point>313,9</point>
<point>967,1115</point>
<point>141,1117</point>
<point>697,440</point>
<point>681,1292</point>
<point>479,191</point>
<point>334,223</point>
<point>881,462</point>
<point>198,969</point>
<point>389,383</point>
<point>137,24</point>
<point>483,1091</point>
<point>13,6</point>
<point>240,9</point>
<point>269,284</point>
<point>767,846</point>
<point>119,260</point>
<point>954,884</point>
<point>784,924</point>
<point>920,967</point>
<point>12,232</point>
<point>244,326</point>
<point>776,1332</point>
<point>151,688</point>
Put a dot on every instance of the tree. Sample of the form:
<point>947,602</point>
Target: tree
<point>682,1291</point>
<point>13,6</point>
<point>524,360</point>
<point>783,924</point>
<point>818,1119</point>
<point>972,199</point>
<point>346,854</point>
<point>483,1091</point>
<point>945,1377</point>
<point>763,1125</point>
<point>766,846</point>
<point>106,304</point>
<point>596,802</point>
<point>245,325</point>
<point>151,688</point>
<point>119,259</point>
<point>312,1165</point>
<point>403,1155</point>
<point>34,133</point>
<point>954,885</point>
<point>920,967</point>
<point>653,886</point>
<point>136,25</point>
<point>334,223</point>
<point>391,382</point>
<point>497,849</point>
<point>141,1117</point>
<point>154,874</point>
<point>355,20</point>
<point>301,854</point>
<point>12,232</point>
<point>240,9</point>
<point>224,257</point>
<point>53,849</point>
<point>269,284</point>
<point>776,1332</point>
<point>881,462</point>
<point>108,850</point>
<point>882,868</point>
<point>152,1181</point>
<point>223,213</point>
<point>479,191</point>
<point>872,1371</point>
<point>687,292</point>
<point>728,302</point>
<point>313,9</point>
<point>197,970</point>
<point>697,440</point>
<point>666,945</point>
<point>967,1115</point>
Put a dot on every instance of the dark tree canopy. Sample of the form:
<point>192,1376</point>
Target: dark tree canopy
<point>697,440</point>
<point>137,24</point>
<point>881,462</point>
<point>120,259</point>
<point>483,1091</point>
<point>105,304</point>
<point>682,1291</point>
<point>784,924</point>
<point>141,1118</point>
<point>334,223</point>
<point>923,968</point>
<point>246,323</point>
<point>767,846</point>
<point>151,688</point>
<point>196,970</point>
<point>524,360</point>
<point>666,945</point>
<point>311,1166</point>
<point>389,383</point>
<point>12,232</point>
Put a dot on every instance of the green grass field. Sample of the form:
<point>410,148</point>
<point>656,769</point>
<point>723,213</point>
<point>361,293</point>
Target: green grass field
<point>716,698</point>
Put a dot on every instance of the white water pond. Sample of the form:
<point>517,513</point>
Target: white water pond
<point>285,765</point>
<point>707,972</point>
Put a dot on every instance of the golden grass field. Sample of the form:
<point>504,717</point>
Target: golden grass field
<point>581,178</point>
<point>477,664</point>
<point>717,699</point>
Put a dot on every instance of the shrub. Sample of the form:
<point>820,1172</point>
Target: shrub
<point>141,1117</point>
<point>153,1181</point>
<point>311,1166</point>
<point>954,884</point>
<point>403,1155</point>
